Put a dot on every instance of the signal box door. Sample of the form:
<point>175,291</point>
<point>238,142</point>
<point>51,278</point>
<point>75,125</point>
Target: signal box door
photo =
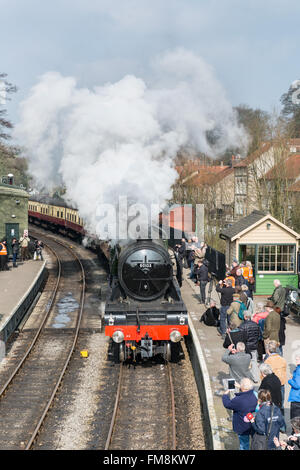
<point>12,231</point>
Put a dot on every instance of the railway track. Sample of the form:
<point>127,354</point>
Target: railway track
<point>144,413</point>
<point>149,422</point>
<point>29,391</point>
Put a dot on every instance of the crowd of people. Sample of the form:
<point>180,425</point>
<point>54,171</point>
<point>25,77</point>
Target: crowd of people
<point>253,336</point>
<point>191,254</point>
<point>21,249</point>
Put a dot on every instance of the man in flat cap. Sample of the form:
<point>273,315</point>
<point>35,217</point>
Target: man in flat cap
<point>279,295</point>
<point>272,325</point>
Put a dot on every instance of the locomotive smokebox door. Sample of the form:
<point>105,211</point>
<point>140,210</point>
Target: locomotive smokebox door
<point>146,347</point>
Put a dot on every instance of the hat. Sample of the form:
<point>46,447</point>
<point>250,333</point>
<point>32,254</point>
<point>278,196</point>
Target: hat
<point>269,304</point>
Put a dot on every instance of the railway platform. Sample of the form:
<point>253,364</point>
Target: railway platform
<point>19,287</point>
<point>209,350</point>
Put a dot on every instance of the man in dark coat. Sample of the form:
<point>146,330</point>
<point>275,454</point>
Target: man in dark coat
<point>226,290</point>
<point>252,333</point>
<point>233,335</point>
<point>279,295</point>
<point>272,324</point>
<point>234,268</point>
<point>201,272</point>
<point>271,382</point>
<point>15,250</point>
<point>191,261</point>
<point>282,329</point>
<point>181,250</point>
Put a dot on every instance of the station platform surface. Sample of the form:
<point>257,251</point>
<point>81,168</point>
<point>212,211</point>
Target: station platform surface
<point>15,283</point>
<point>212,350</point>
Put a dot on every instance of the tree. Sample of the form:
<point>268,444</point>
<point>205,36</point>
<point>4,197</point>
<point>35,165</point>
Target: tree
<point>10,161</point>
<point>291,109</point>
<point>6,88</point>
<point>256,122</point>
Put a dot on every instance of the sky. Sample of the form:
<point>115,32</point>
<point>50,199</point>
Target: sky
<point>252,45</point>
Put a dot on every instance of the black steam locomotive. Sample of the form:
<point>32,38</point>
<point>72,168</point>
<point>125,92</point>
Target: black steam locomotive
<point>144,313</point>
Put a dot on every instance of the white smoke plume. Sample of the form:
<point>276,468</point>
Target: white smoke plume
<point>120,139</point>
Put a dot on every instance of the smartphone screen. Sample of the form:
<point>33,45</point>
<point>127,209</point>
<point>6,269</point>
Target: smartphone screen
<point>231,385</point>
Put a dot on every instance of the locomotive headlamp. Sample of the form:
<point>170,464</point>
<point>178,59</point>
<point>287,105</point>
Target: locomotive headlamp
<point>175,336</point>
<point>118,336</point>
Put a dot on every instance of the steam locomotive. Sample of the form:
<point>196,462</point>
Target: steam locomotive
<point>144,314</point>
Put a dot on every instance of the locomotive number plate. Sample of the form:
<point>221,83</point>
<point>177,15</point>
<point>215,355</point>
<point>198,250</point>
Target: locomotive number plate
<point>145,265</point>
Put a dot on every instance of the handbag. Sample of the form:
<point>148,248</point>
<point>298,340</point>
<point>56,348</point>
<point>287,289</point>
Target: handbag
<point>260,441</point>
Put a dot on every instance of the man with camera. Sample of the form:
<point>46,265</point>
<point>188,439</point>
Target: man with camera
<point>226,290</point>
<point>238,361</point>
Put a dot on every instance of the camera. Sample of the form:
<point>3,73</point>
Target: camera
<point>229,384</point>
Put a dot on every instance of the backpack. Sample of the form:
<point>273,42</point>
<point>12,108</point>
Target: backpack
<point>241,310</point>
<point>208,318</point>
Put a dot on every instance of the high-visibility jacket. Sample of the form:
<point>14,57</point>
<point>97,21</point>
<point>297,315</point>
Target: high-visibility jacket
<point>232,279</point>
<point>245,271</point>
<point>3,249</point>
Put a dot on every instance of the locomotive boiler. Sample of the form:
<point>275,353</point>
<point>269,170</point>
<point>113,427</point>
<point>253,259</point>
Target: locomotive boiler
<point>144,314</point>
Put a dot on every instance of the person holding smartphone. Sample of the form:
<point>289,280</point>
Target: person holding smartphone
<point>244,402</point>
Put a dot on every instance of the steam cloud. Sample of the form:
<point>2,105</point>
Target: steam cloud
<point>121,138</point>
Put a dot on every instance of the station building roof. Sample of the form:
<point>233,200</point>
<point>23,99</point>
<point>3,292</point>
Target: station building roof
<point>249,222</point>
<point>242,224</point>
